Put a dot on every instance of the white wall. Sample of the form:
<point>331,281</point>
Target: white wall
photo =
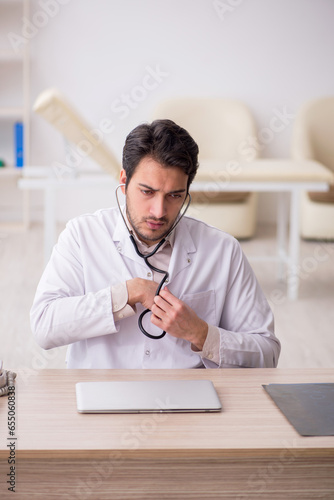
<point>272,54</point>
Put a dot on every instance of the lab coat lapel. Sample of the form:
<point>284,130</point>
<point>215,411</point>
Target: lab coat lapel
<point>183,249</point>
<point>123,243</point>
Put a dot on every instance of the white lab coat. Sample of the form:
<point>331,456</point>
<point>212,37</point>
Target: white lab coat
<point>207,270</point>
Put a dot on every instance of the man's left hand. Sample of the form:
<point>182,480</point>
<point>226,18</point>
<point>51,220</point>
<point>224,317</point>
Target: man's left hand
<point>178,319</point>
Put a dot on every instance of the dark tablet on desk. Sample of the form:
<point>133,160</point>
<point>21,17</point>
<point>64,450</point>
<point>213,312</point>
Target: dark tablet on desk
<point>308,407</point>
<point>149,396</point>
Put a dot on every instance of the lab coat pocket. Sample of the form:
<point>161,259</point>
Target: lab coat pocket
<point>204,305</point>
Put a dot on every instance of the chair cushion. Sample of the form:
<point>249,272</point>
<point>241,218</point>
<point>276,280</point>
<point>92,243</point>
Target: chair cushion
<point>211,197</point>
<point>323,197</point>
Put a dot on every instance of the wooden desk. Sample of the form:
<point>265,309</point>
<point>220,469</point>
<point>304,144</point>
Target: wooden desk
<point>249,451</point>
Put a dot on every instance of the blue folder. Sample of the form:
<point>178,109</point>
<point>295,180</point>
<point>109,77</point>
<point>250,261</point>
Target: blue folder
<point>18,139</point>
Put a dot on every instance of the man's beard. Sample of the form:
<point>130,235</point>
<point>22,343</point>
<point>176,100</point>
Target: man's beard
<point>155,236</point>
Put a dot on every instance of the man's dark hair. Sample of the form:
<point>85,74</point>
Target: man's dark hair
<point>165,142</point>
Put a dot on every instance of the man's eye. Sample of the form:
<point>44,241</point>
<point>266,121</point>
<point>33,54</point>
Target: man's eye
<point>146,192</point>
<point>175,196</point>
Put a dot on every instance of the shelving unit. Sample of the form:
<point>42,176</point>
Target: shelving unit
<point>14,98</point>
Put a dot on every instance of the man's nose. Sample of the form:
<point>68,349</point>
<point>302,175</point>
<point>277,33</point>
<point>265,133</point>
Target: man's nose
<point>158,207</point>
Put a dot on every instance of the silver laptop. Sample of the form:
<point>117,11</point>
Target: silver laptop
<point>149,396</point>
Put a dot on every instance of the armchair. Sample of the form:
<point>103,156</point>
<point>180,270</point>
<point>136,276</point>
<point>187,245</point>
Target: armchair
<point>220,127</point>
<point>313,140</point>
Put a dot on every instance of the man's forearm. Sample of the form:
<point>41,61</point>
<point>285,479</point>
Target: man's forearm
<point>64,320</point>
<point>200,335</point>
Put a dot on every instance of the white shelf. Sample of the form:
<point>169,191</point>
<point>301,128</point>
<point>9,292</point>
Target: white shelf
<point>10,56</point>
<point>11,172</point>
<point>12,112</point>
<point>15,67</point>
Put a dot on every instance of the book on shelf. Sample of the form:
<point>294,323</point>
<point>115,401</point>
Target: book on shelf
<point>18,144</point>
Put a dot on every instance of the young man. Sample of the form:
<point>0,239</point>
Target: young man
<point>96,284</point>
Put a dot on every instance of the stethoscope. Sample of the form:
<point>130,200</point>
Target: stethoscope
<point>147,256</point>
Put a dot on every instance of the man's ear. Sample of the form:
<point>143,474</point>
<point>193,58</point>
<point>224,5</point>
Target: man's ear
<point>122,179</point>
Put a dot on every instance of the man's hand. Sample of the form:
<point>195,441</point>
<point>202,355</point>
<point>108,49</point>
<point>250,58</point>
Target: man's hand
<point>141,290</point>
<point>178,319</point>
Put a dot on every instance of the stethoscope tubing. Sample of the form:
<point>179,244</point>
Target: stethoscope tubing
<point>146,257</point>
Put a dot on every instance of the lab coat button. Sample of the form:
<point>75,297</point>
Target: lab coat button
<point>188,260</point>
<point>167,280</point>
<point>147,352</point>
<point>210,355</point>
<point>149,274</point>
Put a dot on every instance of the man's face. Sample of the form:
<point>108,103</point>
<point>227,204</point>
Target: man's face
<point>154,197</point>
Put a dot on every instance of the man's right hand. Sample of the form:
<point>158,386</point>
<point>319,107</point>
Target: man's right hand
<point>141,290</point>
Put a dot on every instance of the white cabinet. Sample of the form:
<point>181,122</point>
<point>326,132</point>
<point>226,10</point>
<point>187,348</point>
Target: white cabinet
<point>14,93</point>
<point>14,77</point>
